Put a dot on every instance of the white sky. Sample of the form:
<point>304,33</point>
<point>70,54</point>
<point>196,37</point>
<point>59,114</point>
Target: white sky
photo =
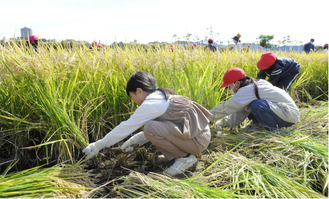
<point>158,20</point>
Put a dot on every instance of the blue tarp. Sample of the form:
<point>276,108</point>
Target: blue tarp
<point>253,47</point>
<point>289,48</point>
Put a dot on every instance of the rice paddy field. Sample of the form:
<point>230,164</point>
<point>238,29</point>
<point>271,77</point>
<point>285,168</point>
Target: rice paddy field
<point>53,103</point>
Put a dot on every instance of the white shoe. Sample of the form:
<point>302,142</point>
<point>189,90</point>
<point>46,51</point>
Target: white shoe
<point>218,126</point>
<point>253,127</point>
<point>162,158</point>
<point>181,164</point>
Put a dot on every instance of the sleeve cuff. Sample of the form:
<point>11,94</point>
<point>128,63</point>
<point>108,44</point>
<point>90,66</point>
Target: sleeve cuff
<point>100,144</point>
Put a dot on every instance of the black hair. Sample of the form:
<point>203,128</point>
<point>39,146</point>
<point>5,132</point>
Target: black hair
<point>146,82</point>
<point>248,80</point>
<point>236,38</point>
<point>34,45</point>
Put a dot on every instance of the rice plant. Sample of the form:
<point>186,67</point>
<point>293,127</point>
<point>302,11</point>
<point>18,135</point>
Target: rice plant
<point>57,181</point>
<point>53,103</point>
<point>284,164</point>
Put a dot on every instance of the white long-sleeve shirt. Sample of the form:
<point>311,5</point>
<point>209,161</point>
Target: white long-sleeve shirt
<point>153,107</point>
<point>279,101</point>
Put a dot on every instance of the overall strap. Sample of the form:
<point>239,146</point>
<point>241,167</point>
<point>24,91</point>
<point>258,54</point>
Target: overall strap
<point>256,89</point>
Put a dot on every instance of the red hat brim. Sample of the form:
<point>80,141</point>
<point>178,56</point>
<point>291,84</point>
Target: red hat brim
<point>266,60</point>
<point>224,85</point>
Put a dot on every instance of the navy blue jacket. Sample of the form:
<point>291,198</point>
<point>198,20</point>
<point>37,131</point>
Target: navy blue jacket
<point>307,47</point>
<point>282,68</point>
<point>211,47</point>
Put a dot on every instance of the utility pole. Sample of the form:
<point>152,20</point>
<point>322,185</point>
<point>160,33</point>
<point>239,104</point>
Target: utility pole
<point>210,31</point>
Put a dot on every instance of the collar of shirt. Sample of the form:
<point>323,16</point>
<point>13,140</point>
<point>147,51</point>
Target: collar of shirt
<point>157,95</point>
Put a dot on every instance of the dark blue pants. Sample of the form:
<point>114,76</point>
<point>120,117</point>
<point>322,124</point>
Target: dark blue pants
<point>261,113</point>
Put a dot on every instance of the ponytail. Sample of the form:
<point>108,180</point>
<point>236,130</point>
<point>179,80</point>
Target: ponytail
<point>255,87</point>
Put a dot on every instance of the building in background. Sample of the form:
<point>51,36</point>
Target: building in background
<point>26,32</point>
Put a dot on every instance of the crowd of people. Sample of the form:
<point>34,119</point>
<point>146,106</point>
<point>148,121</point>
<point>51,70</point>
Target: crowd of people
<point>213,48</point>
<point>237,47</point>
<point>307,48</point>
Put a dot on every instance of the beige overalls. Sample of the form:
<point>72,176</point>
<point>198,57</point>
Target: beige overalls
<point>181,130</point>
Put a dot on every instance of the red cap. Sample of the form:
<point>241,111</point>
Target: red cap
<point>33,38</point>
<point>267,60</point>
<point>100,46</point>
<point>232,75</point>
<point>195,45</point>
<point>325,45</point>
<point>210,40</point>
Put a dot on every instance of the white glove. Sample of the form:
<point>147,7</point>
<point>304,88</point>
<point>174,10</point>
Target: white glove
<point>92,149</point>
<point>218,126</point>
<point>224,122</point>
<point>231,121</point>
<point>137,140</point>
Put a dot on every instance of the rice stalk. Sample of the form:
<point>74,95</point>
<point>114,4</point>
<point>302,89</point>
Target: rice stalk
<point>57,181</point>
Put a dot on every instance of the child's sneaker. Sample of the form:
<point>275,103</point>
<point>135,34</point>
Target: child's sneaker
<point>181,164</point>
<point>162,158</point>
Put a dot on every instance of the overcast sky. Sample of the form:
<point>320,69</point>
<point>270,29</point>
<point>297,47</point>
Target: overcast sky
<point>158,20</point>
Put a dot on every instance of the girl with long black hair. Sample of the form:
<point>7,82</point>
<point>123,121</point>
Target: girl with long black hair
<point>176,125</point>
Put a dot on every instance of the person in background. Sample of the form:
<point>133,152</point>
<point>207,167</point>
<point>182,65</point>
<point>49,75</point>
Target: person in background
<point>281,71</point>
<point>325,48</point>
<point>210,45</point>
<point>237,43</point>
<point>248,48</point>
<point>269,107</point>
<point>309,47</point>
<point>171,48</point>
<point>93,45</point>
<point>33,41</point>
<point>176,125</point>
<point>194,47</point>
